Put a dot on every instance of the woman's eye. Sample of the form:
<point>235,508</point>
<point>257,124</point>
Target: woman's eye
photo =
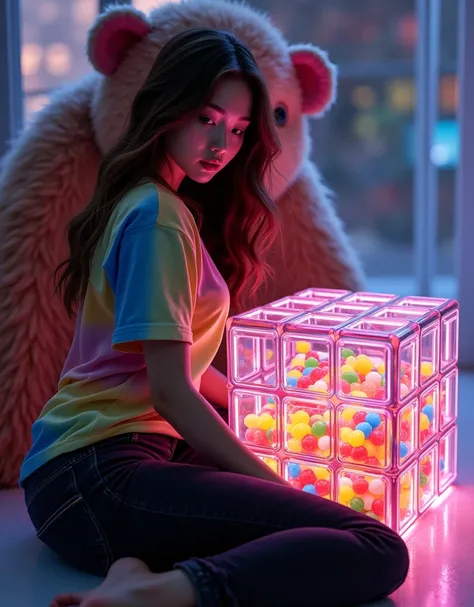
<point>206,120</point>
<point>238,132</point>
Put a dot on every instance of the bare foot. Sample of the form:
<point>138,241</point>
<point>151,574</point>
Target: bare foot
<point>129,583</point>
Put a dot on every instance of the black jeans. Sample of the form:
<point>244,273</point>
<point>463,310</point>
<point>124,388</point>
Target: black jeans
<point>242,541</point>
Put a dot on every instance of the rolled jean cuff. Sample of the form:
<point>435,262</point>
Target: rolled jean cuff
<point>211,590</point>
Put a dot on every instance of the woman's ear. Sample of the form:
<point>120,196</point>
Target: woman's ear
<point>113,34</point>
<point>316,76</point>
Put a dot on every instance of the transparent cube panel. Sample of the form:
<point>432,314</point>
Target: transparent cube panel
<point>407,433</point>
<point>429,339</point>
<point>365,360</point>
<point>376,299</point>
<point>427,481</point>
<point>428,414</point>
<point>309,477</point>
<point>298,304</point>
<point>308,352</point>
<point>308,427</point>
<point>318,294</point>
<point>252,340</point>
<point>449,330</point>
<point>448,398</point>
<point>405,508</point>
<point>347,308</point>
<point>449,339</point>
<point>272,462</point>
<point>447,459</point>
<point>364,492</point>
<point>254,417</point>
<point>365,436</point>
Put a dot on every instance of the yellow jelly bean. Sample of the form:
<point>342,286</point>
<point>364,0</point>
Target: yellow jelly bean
<point>429,399</point>
<point>345,494</point>
<point>371,449</point>
<point>424,422</point>
<point>327,415</point>
<point>300,417</point>
<point>322,474</point>
<point>271,463</point>
<point>357,438</point>
<point>359,394</point>
<point>294,373</point>
<point>294,445</point>
<point>299,431</point>
<point>381,368</point>
<point>426,368</point>
<point>303,347</point>
<point>251,420</point>
<point>347,369</point>
<point>289,427</point>
<point>363,365</point>
<point>298,361</point>
<point>265,421</point>
<point>348,414</point>
<point>345,434</point>
<point>405,481</point>
<point>404,499</point>
<point>318,388</point>
<point>269,354</point>
<point>351,360</point>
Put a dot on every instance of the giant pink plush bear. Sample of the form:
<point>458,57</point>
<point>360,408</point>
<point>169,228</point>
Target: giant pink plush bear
<point>49,176</point>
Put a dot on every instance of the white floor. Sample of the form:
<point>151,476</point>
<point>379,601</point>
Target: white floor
<point>441,545</point>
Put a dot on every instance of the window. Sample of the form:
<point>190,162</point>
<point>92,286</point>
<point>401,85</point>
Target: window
<point>54,34</point>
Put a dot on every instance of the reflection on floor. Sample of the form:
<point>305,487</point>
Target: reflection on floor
<point>441,545</point>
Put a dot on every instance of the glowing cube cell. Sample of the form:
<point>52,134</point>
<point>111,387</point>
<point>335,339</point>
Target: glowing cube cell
<point>308,427</point>
<point>252,342</point>
<point>375,299</point>
<point>308,352</point>
<point>429,322</point>
<point>448,399</point>
<point>448,310</point>
<point>298,304</point>
<point>377,360</point>
<point>349,309</point>
<point>311,478</point>
<point>255,418</point>
<point>407,433</point>
<point>428,478</point>
<point>447,459</point>
<point>405,510</point>
<point>272,462</point>
<point>325,294</point>
<point>364,436</point>
<point>364,492</point>
<point>428,414</point>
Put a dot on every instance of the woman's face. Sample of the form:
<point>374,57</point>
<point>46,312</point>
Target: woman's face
<point>203,144</point>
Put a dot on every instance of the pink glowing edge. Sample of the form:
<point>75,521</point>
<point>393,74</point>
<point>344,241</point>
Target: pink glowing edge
<point>351,396</point>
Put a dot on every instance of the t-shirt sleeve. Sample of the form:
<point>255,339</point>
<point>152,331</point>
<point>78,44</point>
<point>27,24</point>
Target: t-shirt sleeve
<point>153,276</point>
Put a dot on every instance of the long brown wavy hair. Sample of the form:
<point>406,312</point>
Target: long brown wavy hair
<point>237,217</point>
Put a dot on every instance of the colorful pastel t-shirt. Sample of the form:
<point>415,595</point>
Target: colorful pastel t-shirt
<point>151,279</point>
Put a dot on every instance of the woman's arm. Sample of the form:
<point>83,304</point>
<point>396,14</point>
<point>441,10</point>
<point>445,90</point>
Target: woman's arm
<point>176,399</point>
<point>214,387</point>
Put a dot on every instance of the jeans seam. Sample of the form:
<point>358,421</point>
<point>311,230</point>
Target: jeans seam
<point>54,475</point>
<point>95,522</point>
<point>57,513</point>
<point>232,518</point>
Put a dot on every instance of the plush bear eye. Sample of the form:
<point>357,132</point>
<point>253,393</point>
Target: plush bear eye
<point>280,115</point>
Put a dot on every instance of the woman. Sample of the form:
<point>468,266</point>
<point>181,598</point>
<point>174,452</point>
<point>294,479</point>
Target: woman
<point>129,459</point>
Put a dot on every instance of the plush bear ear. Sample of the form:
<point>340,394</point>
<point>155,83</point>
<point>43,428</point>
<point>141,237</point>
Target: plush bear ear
<point>113,35</point>
<point>317,78</point>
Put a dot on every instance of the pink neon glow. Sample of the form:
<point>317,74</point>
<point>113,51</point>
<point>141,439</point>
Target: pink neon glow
<point>351,396</point>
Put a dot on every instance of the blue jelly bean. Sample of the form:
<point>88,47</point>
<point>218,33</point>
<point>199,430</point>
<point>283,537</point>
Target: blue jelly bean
<point>291,381</point>
<point>403,450</point>
<point>307,370</point>
<point>429,412</point>
<point>441,464</point>
<point>366,428</point>
<point>294,470</point>
<point>310,489</point>
<point>270,400</point>
<point>373,419</point>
